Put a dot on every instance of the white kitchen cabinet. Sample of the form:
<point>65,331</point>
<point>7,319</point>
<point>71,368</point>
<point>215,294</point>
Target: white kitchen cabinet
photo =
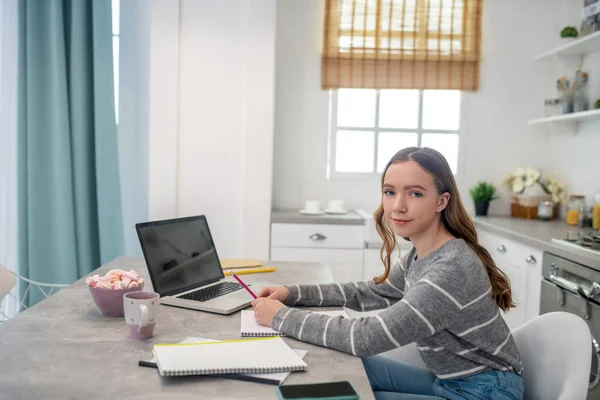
<point>523,265</point>
<point>339,246</point>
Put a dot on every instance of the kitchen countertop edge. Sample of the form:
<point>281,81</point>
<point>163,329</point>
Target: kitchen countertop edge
<point>492,225</point>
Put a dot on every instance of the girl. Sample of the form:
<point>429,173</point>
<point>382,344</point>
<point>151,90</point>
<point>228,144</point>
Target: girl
<point>446,295</point>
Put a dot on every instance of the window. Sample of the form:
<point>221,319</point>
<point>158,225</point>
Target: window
<point>116,9</point>
<point>401,44</point>
<point>369,126</point>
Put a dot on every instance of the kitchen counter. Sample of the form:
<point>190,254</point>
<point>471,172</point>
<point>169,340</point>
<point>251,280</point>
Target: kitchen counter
<point>539,234</point>
<point>294,217</point>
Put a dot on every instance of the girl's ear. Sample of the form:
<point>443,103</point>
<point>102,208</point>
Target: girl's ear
<point>443,202</point>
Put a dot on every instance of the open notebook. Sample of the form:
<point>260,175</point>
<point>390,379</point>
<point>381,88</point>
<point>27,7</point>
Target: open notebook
<point>273,378</point>
<point>251,328</point>
<point>256,355</point>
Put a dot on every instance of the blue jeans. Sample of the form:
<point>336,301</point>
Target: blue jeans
<point>396,380</point>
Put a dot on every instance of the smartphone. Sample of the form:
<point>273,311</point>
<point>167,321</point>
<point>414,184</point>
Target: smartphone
<point>341,390</point>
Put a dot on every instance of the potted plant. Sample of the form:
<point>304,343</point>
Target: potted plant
<point>568,32</point>
<point>482,194</point>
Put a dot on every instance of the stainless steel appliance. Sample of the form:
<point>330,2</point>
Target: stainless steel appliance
<point>575,288</point>
<point>588,241</point>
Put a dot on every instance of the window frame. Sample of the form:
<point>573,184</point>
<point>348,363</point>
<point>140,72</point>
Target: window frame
<point>333,128</point>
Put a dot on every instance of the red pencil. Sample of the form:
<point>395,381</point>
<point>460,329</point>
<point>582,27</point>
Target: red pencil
<point>243,284</point>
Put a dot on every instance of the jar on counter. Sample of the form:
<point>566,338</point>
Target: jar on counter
<point>576,203</point>
<point>552,107</point>
<point>596,212</point>
<point>545,210</point>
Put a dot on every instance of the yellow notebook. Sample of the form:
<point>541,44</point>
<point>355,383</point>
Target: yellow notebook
<point>240,263</point>
<point>243,271</point>
<point>260,355</point>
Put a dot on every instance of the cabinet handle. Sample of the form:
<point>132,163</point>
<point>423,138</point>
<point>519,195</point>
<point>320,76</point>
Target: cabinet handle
<point>317,236</point>
<point>531,260</point>
<point>501,249</point>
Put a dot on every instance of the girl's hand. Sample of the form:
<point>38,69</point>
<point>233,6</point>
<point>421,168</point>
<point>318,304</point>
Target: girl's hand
<point>265,310</point>
<point>280,293</point>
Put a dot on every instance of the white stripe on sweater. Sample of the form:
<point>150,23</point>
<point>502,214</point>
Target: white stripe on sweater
<point>479,298</point>
<point>302,326</point>
<point>362,304</point>
<point>299,295</point>
<point>420,316</point>
<point>387,302</point>
<point>387,331</point>
<point>448,295</point>
<point>501,345</point>
<point>352,336</point>
<point>343,294</point>
<point>474,328</point>
<point>325,331</point>
<point>460,353</point>
<point>466,372</point>
<point>429,348</point>
<point>390,283</point>
<point>283,318</point>
<point>320,295</point>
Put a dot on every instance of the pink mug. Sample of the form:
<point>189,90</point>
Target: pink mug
<point>141,310</point>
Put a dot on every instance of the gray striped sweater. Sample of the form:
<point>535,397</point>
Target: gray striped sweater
<point>442,302</point>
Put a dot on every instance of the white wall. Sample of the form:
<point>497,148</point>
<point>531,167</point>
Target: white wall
<point>302,114</point>
<point>211,107</point>
<point>574,153</point>
<point>495,137</point>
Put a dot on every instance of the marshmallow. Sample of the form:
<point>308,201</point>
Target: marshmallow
<point>115,279</point>
<point>133,277</point>
<point>103,285</point>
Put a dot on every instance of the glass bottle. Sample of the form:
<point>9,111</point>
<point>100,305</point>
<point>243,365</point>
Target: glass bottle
<point>596,212</point>
<point>576,202</point>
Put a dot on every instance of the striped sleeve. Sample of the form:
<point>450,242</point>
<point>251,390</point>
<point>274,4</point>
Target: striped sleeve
<point>360,296</point>
<point>425,310</point>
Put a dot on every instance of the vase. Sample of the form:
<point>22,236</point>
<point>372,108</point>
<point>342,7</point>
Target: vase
<point>481,208</point>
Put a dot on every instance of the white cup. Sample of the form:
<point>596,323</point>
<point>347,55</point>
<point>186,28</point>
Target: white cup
<point>141,310</point>
<point>312,206</point>
<point>336,205</point>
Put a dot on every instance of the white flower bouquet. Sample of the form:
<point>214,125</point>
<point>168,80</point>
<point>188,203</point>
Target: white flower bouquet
<point>529,189</point>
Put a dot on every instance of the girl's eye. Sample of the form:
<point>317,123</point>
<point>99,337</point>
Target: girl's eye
<point>416,194</point>
<point>388,192</point>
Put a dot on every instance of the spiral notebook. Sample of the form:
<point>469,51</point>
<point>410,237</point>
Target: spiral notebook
<point>256,355</point>
<point>251,328</point>
<point>272,378</point>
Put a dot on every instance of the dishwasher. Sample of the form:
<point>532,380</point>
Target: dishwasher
<point>575,288</point>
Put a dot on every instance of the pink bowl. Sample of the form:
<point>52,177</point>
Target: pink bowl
<point>110,302</point>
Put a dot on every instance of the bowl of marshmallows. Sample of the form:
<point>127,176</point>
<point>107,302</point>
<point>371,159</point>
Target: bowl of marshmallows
<point>107,291</point>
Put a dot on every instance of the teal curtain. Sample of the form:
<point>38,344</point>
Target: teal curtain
<point>70,218</point>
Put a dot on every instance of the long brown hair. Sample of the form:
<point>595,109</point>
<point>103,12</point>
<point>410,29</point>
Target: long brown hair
<point>455,218</point>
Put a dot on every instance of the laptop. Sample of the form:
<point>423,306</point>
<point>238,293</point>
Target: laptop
<point>185,269</point>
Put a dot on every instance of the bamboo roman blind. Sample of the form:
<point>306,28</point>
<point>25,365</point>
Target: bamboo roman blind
<point>401,44</point>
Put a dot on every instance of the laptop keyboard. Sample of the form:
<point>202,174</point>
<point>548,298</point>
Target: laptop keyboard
<point>211,292</point>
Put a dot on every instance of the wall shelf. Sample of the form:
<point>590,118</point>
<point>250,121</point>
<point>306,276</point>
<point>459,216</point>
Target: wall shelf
<point>572,117</point>
<point>576,48</point>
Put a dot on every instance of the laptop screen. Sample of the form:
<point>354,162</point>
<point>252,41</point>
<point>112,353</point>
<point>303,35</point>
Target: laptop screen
<point>180,254</point>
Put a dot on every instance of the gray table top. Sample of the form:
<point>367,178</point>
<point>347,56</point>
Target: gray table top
<point>62,348</point>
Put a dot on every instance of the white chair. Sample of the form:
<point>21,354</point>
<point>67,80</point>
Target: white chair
<point>8,280</point>
<point>556,349</point>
